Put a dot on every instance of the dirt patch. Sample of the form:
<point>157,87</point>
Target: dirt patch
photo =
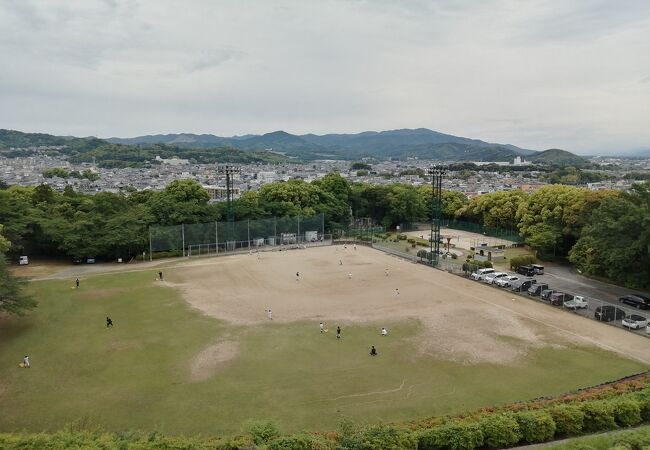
<point>212,359</point>
<point>463,320</point>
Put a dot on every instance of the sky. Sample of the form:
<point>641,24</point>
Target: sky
<point>571,74</point>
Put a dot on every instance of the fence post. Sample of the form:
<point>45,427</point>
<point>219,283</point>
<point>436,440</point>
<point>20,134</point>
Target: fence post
<point>150,247</point>
<point>183,233</point>
<point>298,240</point>
<point>216,237</point>
<point>249,234</point>
<point>275,230</point>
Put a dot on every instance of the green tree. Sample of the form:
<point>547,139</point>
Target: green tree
<point>615,243</point>
<point>496,209</point>
<point>13,299</point>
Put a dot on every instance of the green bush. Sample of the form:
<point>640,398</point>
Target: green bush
<point>643,397</point>
<point>536,426</point>
<point>599,415</point>
<point>523,260</point>
<point>411,241</point>
<point>300,441</point>
<point>451,436</point>
<point>500,430</point>
<point>383,437</point>
<point>422,253</point>
<point>262,431</point>
<point>627,412</point>
<point>569,420</point>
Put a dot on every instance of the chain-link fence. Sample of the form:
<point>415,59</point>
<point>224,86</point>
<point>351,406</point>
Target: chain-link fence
<point>213,238</point>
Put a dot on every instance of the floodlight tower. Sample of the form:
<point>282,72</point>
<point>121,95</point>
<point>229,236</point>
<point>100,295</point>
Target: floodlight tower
<point>229,171</point>
<point>436,173</point>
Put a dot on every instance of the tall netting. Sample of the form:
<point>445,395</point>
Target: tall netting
<point>202,239</point>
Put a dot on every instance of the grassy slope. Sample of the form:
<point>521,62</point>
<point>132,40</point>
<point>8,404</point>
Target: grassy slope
<point>135,375</point>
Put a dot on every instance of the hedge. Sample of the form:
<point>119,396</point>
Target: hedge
<point>569,420</point>
<point>523,260</point>
<point>536,426</point>
<point>301,441</point>
<point>599,415</point>
<point>500,430</point>
<point>627,412</point>
<point>452,436</point>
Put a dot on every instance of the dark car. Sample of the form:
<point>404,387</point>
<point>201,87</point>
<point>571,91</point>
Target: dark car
<point>608,313</point>
<point>557,298</point>
<point>536,289</point>
<point>522,285</point>
<point>546,294</point>
<point>77,260</point>
<point>638,301</point>
<point>527,271</point>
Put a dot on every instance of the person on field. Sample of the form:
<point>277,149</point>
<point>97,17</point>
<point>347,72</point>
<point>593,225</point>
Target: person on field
<point>322,327</point>
<point>269,314</point>
<point>297,276</point>
<point>109,322</point>
<point>26,362</point>
<point>373,351</point>
<point>355,246</point>
<point>340,262</point>
<point>338,332</point>
<point>384,332</point>
<point>160,277</point>
<point>386,272</point>
<point>349,275</point>
<point>77,283</point>
<point>396,292</point>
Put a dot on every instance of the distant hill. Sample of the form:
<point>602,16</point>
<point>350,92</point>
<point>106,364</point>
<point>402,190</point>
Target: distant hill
<point>419,143</point>
<point>558,157</point>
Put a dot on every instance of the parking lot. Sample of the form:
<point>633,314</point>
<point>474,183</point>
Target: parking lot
<point>560,278</point>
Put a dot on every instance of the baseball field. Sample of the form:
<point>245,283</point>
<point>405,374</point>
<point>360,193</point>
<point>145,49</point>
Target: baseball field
<point>197,353</point>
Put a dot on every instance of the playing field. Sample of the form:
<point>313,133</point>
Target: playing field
<point>197,352</point>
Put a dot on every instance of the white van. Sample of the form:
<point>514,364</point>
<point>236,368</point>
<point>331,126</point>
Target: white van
<point>480,274</point>
<point>24,260</point>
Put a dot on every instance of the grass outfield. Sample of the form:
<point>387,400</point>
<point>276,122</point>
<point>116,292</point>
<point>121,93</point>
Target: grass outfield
<point>137,375</point>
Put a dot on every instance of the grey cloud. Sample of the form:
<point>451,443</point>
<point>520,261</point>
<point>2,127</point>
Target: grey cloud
<point>214,58</point>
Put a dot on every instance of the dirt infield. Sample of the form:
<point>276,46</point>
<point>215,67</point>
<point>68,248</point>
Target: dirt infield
<point>463,321</point>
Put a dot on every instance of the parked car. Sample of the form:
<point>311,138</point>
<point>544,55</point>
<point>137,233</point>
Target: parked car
<point>557,298</point>
<point>546,294</point>
<point>635,321</point>
<point>527,271</point>
<point>522,285</point>
<point>577,302</point>
<point>507,281</point>
<point>23,261</point>
<point>638,301</point>
<point>90,260</point>
<point>77,260</point>
<point>492,277</point>
<point>539,269</point>
<point>608,313</point>
<point>481,273</point>
<point>537,289</point>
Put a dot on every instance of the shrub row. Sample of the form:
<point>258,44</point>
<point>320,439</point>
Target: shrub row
<point>518,261</point>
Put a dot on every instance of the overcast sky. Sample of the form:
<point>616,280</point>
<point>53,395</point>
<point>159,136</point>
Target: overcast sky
<point>572,74</point>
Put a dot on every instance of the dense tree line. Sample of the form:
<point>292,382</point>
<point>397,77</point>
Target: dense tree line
<point>603,232</point>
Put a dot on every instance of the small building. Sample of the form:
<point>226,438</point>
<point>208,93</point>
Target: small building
<point>487,253</point>
<point>218,193</point>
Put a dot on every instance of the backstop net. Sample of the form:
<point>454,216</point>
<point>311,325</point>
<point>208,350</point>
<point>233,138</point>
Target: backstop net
<point>214,238</point>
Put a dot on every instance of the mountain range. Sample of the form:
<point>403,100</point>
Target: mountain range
<point>418,143</point>
<point>421,143</point>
